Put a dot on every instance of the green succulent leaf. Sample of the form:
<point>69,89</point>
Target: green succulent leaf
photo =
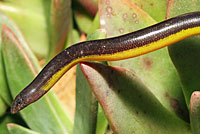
<point>83,19</point>
<point>155,8</point>
<point>178,7</point>
<point>21,70</point>
<point>86,106</point>
<point>31,20</point>
<point>195,112</point>
<point>73,38</point>
<point>3,107</point>
<point>61,113</point>
<point>116,19</point>
<point>58,25</point>
<point>5,94</point>
<point>129,105</point>
<point>4,91</point>
<point>5,20</point>
<point>97,34</point>
<point>17,129</point>
<point>95,24</point>
<point>184,54</point>
<point>8,118</point>
<point>33,5</point>
<point>102,122</point>
<point>155,69</point>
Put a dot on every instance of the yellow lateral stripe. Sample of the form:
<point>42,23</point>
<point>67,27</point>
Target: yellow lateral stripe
<point>126,54</point>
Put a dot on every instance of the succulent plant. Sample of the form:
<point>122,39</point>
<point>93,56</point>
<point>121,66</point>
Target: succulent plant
<point>153,93</point>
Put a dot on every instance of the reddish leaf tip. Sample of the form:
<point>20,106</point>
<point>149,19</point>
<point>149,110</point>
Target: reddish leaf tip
<point>194,98</point>
<point>84,67</point>
<point>7,34</point>
<point>10,125</point>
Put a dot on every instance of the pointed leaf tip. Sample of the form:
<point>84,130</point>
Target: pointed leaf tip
<point>9,37</point>
<point>195,112</point>
<point>17,129</point>
<point>195,98</point>
<point>10,125</point>
<point>7,34</point>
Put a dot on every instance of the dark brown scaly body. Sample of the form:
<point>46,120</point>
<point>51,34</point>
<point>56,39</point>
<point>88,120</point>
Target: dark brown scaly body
<point>103,47</point>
